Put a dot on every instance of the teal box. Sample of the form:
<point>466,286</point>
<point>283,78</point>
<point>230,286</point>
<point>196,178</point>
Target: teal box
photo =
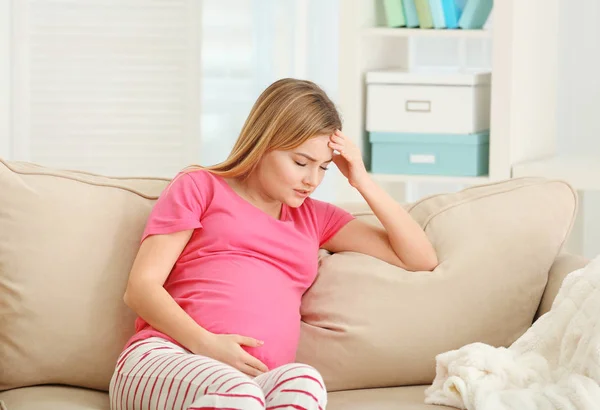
<point>430,154</point>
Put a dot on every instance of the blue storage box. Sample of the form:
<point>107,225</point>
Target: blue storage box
<point>430,154</point>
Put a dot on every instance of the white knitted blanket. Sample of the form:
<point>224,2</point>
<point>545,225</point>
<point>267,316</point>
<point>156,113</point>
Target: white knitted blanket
<point>554,365</point>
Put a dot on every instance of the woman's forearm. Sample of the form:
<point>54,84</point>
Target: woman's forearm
<point>154,304</point>
<point>408,240</point>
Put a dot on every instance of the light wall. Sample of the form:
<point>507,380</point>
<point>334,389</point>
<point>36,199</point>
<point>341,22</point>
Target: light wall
<point>578,119</point>
<point>4,79</point>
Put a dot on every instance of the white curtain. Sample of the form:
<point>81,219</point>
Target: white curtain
<point>247,45</point>
<point>107,86</point>
<point>140,87</point>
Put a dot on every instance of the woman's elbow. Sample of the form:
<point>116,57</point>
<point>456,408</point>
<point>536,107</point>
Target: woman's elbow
<point>430,263</point>
<point>425,264</point>
<point>129,297</point>
<point>138,290</point>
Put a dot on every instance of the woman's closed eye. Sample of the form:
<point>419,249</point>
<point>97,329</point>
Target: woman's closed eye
<point>303,165</point>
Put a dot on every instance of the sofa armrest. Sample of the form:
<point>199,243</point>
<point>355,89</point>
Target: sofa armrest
<point>564,264</point>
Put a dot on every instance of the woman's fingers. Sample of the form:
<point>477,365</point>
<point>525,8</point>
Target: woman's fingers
<point>249,370</point>
<point>248,341</point>
<point>254,362</point>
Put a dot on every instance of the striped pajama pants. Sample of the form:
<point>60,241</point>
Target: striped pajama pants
<point>155,374</point>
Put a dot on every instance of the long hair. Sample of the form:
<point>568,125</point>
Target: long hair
<point>285,115</point>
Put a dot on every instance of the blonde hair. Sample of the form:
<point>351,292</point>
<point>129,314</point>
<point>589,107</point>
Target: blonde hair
<point>285,115</point>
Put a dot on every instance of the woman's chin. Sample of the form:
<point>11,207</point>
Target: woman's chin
<point>295,202</point>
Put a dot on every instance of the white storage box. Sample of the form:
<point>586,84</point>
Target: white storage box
<point>441,101</point>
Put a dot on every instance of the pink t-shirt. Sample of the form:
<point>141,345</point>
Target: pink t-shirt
<point>242,271</point>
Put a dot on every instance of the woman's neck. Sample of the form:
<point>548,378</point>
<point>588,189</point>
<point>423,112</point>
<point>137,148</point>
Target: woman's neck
<point>251,190</point>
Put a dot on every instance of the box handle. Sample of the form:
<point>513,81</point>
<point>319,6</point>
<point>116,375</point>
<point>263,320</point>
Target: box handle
<point>417,106</point>
<point>421,159</point>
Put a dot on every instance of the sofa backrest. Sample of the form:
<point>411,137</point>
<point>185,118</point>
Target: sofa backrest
<point>370,324</point>
<point>68,240</point>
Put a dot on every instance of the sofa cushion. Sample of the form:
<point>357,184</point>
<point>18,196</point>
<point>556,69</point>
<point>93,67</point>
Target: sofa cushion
<point>564,264</point>
<point>390,398</point>
<point>73,398</point>
<point>54,398</point>
<point>67,242</point>
<point>370,324</point>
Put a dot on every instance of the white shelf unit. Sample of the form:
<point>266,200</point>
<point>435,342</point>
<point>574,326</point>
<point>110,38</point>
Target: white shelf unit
<point>414,32</point>
<point>520,50</point>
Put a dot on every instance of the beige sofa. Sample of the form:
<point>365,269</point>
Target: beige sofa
<point>68,239</point>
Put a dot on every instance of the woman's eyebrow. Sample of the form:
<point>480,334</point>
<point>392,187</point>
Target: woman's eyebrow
<point>310,158</point>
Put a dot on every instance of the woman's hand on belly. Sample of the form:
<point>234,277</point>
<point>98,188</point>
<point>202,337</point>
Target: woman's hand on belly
<point>228,349</point>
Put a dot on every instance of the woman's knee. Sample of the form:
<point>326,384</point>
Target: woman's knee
<point>238,392</point>
<point>304,373</point>
<point>302,379</point>
<point>314,379</point>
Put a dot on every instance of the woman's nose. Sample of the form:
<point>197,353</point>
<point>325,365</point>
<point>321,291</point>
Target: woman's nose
<point>312,179</point>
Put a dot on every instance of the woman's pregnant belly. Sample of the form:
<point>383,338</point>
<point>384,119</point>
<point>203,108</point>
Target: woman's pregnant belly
<point>236,303</point>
